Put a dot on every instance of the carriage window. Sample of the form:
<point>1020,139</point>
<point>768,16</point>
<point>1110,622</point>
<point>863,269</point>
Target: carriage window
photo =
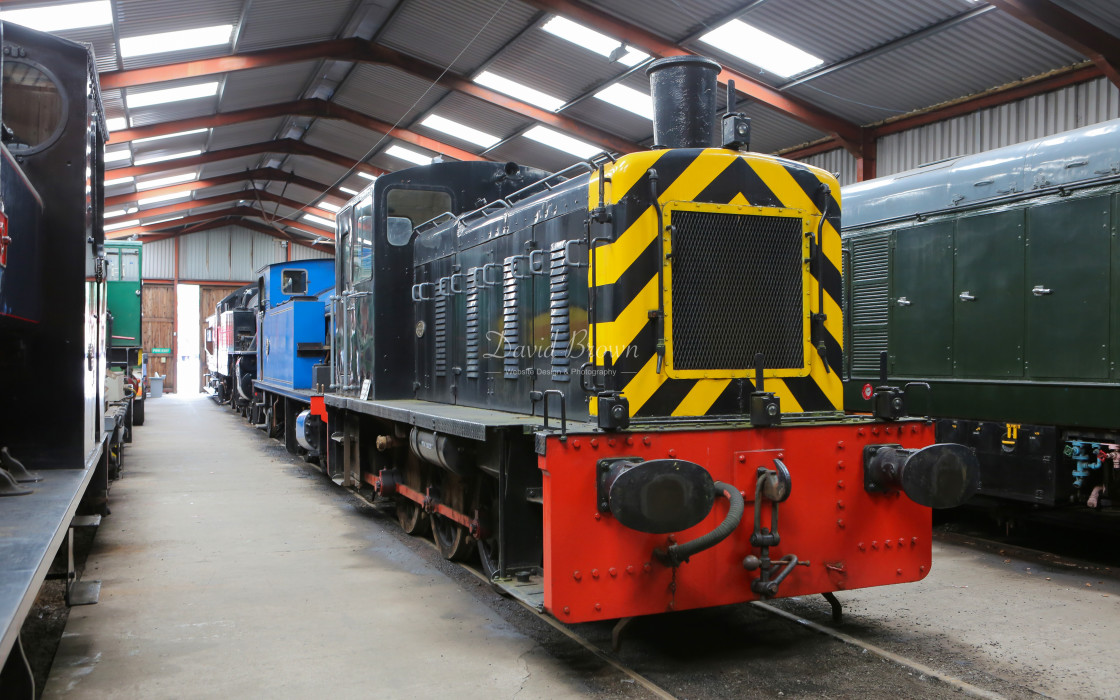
<point>361,260</point>
<point>33,105</point>
<point>293,282</point>
<point>114,265</point>
<point>130,266</point>
<point>417,206</point>
<point>342,255</point>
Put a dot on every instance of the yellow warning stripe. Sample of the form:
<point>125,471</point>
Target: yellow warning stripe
<point>782,184</point>
<point>618,335</point>
<point>612,259</point>
<point>701,397</point>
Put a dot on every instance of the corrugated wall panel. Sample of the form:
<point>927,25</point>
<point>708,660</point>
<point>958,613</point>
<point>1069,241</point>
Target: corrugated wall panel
<point>1061,110</point>
<point>838,162</point>
<point>302,252</point>
<point>159,260</point>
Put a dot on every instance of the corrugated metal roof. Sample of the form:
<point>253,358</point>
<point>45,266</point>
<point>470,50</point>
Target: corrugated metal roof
<point>246,132</point>
<point>273,23</point>
<point>343,137</point>
<point>264,86</point>
<point>673,19</point>
<point>476,114</point>
<point>233,165</point>
<point>1101,13</point>
<point>990,50</point>
<point>554,66</point>
<point>837,29</point>
<point>482,28</point>
<point>387,94</point>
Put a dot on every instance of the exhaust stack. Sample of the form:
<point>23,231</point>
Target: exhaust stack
<point>684,101</point>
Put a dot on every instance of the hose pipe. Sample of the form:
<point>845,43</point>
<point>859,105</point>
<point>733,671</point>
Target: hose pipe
<point>676,554</point>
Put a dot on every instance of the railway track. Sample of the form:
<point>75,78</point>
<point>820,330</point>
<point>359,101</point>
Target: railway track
<point>953,685</point>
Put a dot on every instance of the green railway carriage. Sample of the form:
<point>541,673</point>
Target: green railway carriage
<point>995,279</point>
<point>124,300</point>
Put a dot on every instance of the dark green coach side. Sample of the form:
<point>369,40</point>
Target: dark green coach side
<point>995,279</point>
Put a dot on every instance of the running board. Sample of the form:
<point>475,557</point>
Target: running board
<point>529,592</point>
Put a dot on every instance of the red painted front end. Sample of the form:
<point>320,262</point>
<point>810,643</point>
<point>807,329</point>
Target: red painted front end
<point>597,569</point>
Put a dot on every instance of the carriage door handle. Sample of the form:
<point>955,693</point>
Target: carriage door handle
<point>903,301</point>
<point>1039,291</point>
<point>965,296</point>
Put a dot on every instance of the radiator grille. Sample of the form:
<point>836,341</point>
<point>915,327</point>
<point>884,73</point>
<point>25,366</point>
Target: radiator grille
<point>737,291</point>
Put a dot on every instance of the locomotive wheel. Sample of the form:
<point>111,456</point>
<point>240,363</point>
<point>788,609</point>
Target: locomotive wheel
<point>452,539</point>
<point>486,503</point>
<point>414,521</point>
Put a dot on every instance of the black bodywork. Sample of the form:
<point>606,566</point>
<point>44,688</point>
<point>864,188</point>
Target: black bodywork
<point>53,320</point>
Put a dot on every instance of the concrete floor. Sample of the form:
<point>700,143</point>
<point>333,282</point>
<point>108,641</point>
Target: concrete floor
<point>223,577</point>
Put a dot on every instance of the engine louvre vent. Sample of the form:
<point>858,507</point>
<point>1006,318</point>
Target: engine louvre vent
<point>473,319</point>
<point>737,290</point>
<point>559,320</point>
<point>511,331</point>
<point>441,335</point>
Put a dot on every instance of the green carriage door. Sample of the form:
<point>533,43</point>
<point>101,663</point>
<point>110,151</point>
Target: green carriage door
<point>123,297</point>
<point>921,301</point>
<point>1067,289</point>
<point>988,295</point>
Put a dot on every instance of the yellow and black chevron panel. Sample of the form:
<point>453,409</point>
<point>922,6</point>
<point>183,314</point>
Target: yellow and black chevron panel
<point>625,279</point>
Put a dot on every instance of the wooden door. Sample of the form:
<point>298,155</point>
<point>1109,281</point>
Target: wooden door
<point>159,331</point>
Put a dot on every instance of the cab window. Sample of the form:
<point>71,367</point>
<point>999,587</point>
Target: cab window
<point>293,282</point>
<point>361,246</point>
<point>417,205</point>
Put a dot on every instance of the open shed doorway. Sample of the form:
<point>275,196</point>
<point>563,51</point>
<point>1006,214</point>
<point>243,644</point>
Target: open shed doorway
<point>187,365</point>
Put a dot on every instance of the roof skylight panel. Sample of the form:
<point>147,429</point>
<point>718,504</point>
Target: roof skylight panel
<point>318,220</point>
<point>121,224</point>
<point>181,40</point>
<point>521,92</point>
<point>116,123</point>
<point>164,197</point>
<point>366,175</point>
<point>562,142</point>
<point>170,136</point>
<point>114,156</point>
<point>349,191</point>
<point>59,18</point>
<point>163,221</point>
<point>187,92</point>
<point>117,181</point>
<point>409,155</point>
<point>165,181</point>
<point>627,98</point>
<point>170,156</point>
<point>594,41</point>
<point>756,47</point>
<point>324,204</point>
<point>461,131</point>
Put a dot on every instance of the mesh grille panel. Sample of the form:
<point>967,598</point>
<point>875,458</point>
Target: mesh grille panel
<point>737,291</point>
